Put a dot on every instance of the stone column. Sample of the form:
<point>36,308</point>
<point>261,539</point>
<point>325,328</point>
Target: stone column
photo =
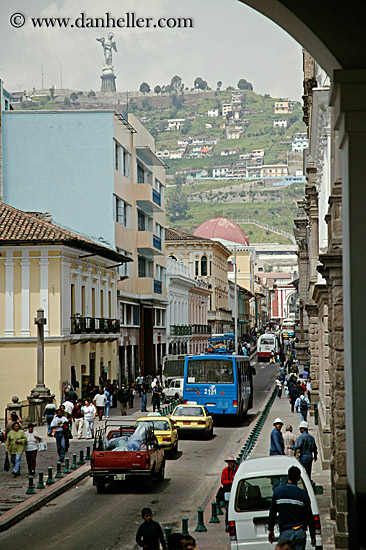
<point>348,97</point>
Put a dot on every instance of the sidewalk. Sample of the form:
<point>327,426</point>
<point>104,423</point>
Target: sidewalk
<point>217,539</point>
<point>13,491</point>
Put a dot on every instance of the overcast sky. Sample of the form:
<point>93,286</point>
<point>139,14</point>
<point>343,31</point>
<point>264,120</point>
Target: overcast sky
<point>229,41</point>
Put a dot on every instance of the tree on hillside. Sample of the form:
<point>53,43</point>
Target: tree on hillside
<point>145,104</point>
<point>200,84</point>
<point>157,90</point>
<point>67,101</point>
<point>177,84</point>
<point>179,180</point>
<point>177,205</point>
<point>229,88</point>
<point>145,88</point>
<point>218,85</point>
<point>74,97</point>
<point>186,128</point>
<point>52,92</point>
<point>91,93</point>
<point>244,85</point>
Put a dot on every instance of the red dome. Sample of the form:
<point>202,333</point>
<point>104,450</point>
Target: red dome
<point>222,228</point>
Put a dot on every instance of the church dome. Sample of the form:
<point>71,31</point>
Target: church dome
<point>222,228</point>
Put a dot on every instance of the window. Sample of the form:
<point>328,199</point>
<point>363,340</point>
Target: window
<point>117,160</point>
<point>210,371</point>
<point>256,493</point>
<point>126,164</point>
<point>141,219</point>
<point>128,314</point>
<point>136,315</point>
<point>141,267</point>
<point>197,267</point>
<point>122,212</point>
<point>122,313</point>
<point>83,301</point>
<point>125,270</point>
<point>140,174</point>
<point>204,265</point>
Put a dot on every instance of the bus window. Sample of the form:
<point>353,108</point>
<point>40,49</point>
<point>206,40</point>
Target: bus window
<point>210,371</point>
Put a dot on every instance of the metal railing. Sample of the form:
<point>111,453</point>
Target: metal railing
<point>97,325</point>
<point>201,329</point>
<point>180,330</point>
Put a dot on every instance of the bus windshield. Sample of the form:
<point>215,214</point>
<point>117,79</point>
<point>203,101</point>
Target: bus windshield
<point>210,371</point>
<point>267,341</point>
<point>173,368</point>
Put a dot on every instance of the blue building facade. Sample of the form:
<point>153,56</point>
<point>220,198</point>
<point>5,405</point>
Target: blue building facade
<point>58,162</point>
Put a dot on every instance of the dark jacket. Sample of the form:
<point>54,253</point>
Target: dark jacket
<point>123,395</point>
<point>292,505</point>
<point>149,534</point>
<point>307,446</point>
<point>277,443</point>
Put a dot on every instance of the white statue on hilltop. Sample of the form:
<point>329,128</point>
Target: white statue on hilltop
<point>108,44</point>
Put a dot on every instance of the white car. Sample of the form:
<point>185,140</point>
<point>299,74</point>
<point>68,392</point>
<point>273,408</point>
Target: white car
<point>250,501</point>
<point>175,390</point>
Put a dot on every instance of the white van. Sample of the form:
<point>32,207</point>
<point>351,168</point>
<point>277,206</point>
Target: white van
<point>175,389</point>
<point>250,501</point>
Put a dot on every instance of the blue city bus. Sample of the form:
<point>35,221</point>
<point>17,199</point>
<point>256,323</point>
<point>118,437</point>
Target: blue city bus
<point>223,383</point>
<point>221,343</point>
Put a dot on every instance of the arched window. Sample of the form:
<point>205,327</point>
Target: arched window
<point>204,265</point>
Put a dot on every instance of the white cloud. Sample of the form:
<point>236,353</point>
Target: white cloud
<point>229,41</point>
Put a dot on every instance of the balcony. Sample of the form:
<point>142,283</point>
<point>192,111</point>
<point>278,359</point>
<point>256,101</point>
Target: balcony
<point>147,198</point>
<point>201,329</point>
<point>180,330</point>
<point>94,325</point>
<point>148,244</point>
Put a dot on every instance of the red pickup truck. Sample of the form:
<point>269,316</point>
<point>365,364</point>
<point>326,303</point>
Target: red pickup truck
<point>123,452</point>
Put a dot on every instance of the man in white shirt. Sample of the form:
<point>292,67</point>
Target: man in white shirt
<point>89,412</point>
<point>69,405</point>
<point>58,425</point>
<point>100,400</point>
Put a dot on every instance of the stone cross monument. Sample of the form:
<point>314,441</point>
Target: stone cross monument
<point>108,77</point>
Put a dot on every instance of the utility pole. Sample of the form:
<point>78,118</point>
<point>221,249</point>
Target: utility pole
<point>236,305</point>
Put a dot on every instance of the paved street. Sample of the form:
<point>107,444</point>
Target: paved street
<point>81,518</point>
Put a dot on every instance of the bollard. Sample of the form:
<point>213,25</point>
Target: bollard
<point>40,484</point>
<point>213,518</point>
<point>31,490</point>
<point>168,532</point>
<point>185,526</point>
<point>74,465</point>
<point>88,455</point>
<point>219,511</point>
<point>201,528</point>
<point>58,473</point>
<point>67,466</point>
<point>50,479</point>
<point>81,460</point>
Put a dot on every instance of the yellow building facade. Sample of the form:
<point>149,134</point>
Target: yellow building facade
<point>73,280</point>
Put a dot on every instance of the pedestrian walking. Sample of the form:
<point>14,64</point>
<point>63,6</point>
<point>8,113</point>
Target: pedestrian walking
<point>308,388</point>
<point>272,358</point>
<point>89,412</point>
<point>139,380</point>
<point>77,416</point>
<point>307,448</point>
<point>289,440</point>
<point>100,401</point>
<point>132,393</point>
<point>71,395</point>
<point>285,545</point>
<point>31,448</point>
<point>123,397</point>
<point>15,443</point>
<point>277,443</point>
<point>14,417</point>
<point>49,413</point>
<point>227,477</point>
<point>114,394</point>
<point>150,535</point>
<point>107,403</point>
<point>68,408</point>
<point>143,396</point>
<point>279,386</point>
<point>58,425</point>
<point>156,395</point>
<point>292,505</point>
<point>302,405</point>
<point>293,392</point>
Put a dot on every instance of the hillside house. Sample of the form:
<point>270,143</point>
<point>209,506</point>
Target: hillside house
<point>175,123</point>
<point>229,151</point>
<point>176,154</point>
<point>299,145</point>
<point>280,123</point>
<point>237,112</point>
<point>184,142</point>
<point>234,132</point>
<point>214,113</point>
<point>163,154</point>
<point>237,96</point>
<point>257,153</point>
<point>226,108</point>
<point>282,107</point>
<point>220,171</point>
<point>274,170</point>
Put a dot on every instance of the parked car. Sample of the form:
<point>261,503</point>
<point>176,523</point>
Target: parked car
<point>165,431</point>
<point>193,419</point>
<point>250,501</point>
<point>175,390</point>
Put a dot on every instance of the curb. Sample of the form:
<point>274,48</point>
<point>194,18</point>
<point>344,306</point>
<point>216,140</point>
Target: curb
<point>34,503</point>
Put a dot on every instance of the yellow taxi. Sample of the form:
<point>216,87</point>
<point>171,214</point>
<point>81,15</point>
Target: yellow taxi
<point>193,418</point>
<point>165,431</point>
